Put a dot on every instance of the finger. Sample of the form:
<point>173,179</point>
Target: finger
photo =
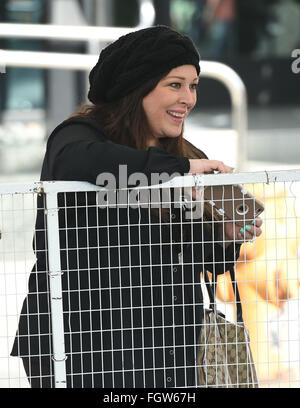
<point>222,168</point>
<point>258,232</point>
<point>228,169</point>
<point>245,237</point>
<point>225,169</point>
<point>258,222</point>
<point>247,232</point>
<point>253,229</point>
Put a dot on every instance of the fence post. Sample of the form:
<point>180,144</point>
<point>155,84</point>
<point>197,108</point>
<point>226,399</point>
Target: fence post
<point>55,274</point>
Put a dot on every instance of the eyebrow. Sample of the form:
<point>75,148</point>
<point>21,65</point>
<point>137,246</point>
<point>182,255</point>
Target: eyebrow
<point>178,77</point>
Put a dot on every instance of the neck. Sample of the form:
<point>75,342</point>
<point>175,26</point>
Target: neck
<point>152,142</point>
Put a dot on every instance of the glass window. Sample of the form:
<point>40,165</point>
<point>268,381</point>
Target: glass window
<point>223,29</point>
<point>24,88</point>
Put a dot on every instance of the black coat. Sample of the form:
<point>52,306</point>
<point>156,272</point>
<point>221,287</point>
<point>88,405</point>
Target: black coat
<point>132,304</point>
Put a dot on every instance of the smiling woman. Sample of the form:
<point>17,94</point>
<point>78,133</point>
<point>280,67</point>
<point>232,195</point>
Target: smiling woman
<point>132,296</point>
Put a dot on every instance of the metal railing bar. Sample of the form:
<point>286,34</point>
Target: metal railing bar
<point>238,95</point>
<point>63,32</point>
<point>47,60</point>
<point>184,181</point>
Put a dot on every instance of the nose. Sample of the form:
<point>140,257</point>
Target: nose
<point>188,97</point>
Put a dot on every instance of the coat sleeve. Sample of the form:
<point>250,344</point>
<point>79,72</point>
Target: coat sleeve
<point>217,258</point>
<point>75,153</point>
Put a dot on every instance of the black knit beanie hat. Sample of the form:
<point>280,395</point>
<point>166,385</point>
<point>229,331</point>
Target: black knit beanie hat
<point>136,58</point>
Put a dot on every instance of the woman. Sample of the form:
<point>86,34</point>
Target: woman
<point>131,276</point>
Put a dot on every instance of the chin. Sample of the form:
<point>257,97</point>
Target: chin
<point>170,134</point>
<point>174,134</point>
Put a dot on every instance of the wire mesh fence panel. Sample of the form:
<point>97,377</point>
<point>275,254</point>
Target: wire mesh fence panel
<point>17,218</point>
<point>268,278</point>
<point>130,311</point>
<point>165,286</point>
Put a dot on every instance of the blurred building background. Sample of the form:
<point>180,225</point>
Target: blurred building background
<point>254,37</point>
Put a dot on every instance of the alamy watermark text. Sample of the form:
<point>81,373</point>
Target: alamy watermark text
<point>296,63</point>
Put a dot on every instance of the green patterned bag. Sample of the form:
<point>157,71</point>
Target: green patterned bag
<point>224,357</point>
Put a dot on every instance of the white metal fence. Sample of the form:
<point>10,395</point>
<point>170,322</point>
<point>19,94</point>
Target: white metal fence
<point>114,299</point>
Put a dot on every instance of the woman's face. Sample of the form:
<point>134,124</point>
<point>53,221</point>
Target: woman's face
<point>170,102</point>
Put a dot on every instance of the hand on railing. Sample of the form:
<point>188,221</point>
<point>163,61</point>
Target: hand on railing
<point>208,166</point>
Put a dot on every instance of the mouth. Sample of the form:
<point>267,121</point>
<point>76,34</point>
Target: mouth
<point>176,116</point>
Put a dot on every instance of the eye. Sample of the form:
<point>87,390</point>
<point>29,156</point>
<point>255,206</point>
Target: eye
<point>194,86</point>
<point>176,85</point>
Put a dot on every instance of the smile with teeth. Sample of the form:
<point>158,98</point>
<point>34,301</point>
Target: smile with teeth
<point>176,114</point>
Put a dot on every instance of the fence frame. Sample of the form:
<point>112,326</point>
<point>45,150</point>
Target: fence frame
<point>55,273</point>
<point>46,187</point>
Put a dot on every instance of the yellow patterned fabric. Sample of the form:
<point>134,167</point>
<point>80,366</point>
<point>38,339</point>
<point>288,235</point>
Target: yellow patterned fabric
<point>224,357</point>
